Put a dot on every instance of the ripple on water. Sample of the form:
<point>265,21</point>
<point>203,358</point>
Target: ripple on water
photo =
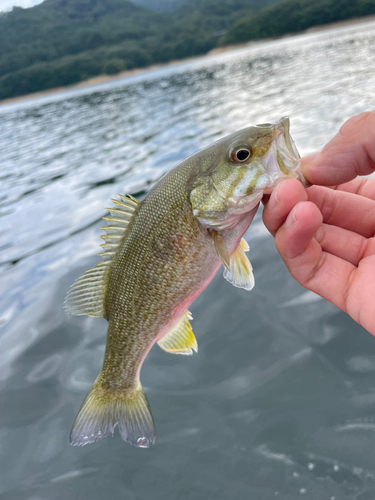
<point>45,369</point>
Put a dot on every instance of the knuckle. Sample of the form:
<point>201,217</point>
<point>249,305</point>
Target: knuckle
<point>328,205</point>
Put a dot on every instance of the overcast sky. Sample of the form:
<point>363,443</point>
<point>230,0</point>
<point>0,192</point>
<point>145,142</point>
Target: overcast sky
<point>8,4</point>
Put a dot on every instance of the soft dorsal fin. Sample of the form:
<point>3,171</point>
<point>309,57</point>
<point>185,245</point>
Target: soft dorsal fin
<point>180,338</point>
<point>86,295</point>
<point>240,272</point>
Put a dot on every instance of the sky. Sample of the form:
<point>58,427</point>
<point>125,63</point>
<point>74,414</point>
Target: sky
<point>8,4</point>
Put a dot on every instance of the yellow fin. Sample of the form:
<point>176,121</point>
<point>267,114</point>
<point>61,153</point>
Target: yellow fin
<point>221,249</point>
<point>240,272</point>
<point>103,410</point>
<point>244,245</point>
<point>180,338</point>
<point>86,295</point>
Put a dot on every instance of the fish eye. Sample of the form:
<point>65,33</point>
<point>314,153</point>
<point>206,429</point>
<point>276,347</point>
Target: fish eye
<point>240,154</point>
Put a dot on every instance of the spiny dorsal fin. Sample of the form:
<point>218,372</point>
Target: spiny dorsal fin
<point>86,295</point>
<point>180,338</point>
<point>121,215</point>
<point>240,272</point>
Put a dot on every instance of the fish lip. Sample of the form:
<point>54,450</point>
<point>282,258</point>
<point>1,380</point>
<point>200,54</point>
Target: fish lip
<point>282,149</point>
<point>284,141</point>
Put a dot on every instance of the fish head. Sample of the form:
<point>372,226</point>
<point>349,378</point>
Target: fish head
<point>240,168</point>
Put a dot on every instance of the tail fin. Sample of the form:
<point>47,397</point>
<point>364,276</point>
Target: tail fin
<point>102,410</point>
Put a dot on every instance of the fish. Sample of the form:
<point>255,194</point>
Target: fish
<point>159,254</point>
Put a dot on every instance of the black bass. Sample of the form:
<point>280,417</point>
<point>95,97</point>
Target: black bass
<point>159,255</point>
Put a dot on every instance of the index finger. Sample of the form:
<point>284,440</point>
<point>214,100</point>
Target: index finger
<point>350,153</point>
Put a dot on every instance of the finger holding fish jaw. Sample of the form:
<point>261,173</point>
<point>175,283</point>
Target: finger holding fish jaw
<point>347,227</point>
<point>321,254</point>
<point>296,224</point>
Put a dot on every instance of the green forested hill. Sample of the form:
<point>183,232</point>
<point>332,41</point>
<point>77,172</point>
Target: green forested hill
<point>162,5</point>
<point>57,28</point>
<point>61,42</point>
<point>194,28</point>
<point>291,16</point>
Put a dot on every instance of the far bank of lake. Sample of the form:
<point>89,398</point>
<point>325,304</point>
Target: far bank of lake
<point>128,73</point>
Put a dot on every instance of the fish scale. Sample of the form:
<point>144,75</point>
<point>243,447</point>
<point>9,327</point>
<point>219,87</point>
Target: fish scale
<point>159,255</point>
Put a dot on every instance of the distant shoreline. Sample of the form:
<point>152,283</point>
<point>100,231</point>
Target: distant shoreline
<point>106,78</point>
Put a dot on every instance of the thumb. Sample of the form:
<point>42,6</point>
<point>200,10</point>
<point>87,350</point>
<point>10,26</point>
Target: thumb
<point>350,153</point>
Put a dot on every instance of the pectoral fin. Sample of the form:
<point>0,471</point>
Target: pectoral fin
<point>240,272</point>
<point>221,249</point>
<point>180,338</point>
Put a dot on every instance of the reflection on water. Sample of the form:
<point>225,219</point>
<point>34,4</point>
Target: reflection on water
<point>280,399</point>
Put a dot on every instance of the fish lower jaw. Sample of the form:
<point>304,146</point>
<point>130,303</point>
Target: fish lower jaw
<point>238,206</point>
<point>269,189</point>
<point>276,179</point>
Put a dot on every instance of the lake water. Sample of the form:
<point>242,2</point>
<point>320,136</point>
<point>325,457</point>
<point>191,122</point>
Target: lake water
<point>280,400</point>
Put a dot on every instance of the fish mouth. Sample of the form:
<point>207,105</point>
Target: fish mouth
<point>282,161</point>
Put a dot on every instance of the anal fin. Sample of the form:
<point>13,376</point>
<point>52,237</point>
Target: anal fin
<point>180,338</point>
<point>240,272</point>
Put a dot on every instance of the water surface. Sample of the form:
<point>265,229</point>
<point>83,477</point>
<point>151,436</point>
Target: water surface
<point>280,400</point>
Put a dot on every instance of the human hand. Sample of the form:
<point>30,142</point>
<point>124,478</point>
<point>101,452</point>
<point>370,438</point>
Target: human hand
<point>325,235</point>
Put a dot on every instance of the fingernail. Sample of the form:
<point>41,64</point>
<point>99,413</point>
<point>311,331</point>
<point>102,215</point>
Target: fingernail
<point>305,183</point>
<point>306,163</point>
<point>274,200</point>
<point>319,235</point>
